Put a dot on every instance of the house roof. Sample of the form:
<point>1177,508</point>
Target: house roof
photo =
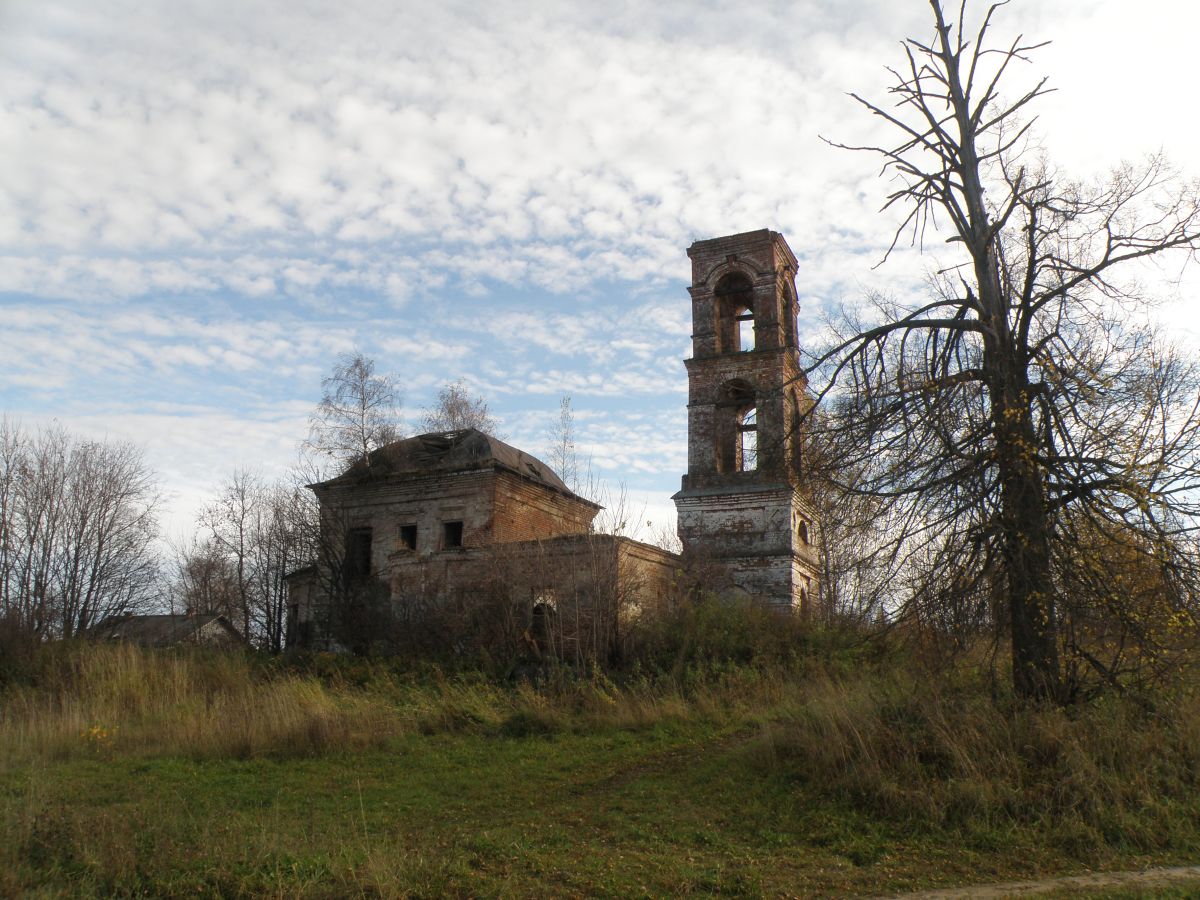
<point>450,451</point>
<point>160,630</point>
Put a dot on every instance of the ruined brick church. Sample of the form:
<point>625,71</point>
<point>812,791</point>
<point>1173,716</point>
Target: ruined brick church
<point>461,518</point>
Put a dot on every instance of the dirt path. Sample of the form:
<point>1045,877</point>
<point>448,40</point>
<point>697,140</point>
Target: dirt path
<point>1146,879</point>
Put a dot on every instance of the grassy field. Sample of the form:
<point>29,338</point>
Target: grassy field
<point>132,773</point>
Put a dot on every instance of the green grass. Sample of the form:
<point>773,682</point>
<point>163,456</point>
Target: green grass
<point>729,781</point>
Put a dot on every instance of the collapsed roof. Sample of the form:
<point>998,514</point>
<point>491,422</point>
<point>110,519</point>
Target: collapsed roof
<point>449,451</point>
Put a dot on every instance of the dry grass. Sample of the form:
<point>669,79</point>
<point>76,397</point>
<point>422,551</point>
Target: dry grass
<point>121,699</point>
<point>443,785</point>
<point>1111,773</point>
<point>889,741</point>
<point>80,699</point>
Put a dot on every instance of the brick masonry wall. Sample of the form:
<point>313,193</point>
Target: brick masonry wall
<point>427,502</point>
<point>525,511</point>
<point>494,505</point>
<point>597,584</point>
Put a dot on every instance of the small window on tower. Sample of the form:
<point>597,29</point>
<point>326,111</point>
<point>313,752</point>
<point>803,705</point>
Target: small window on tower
<point>745,330</point>
<point>452,534</point>
<point>408,537</point>
<point>748,440</point>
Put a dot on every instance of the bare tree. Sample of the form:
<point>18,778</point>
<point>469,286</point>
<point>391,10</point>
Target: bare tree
<point>255,534</point>
<point>1019,399</point>
<point>107,563</point>
<point>205,582</point>
<point>620,515</point>
<point>12,448</point>
<point>561,446</point>
<point>77,531</point>
<point>457,408</point>
<point>358,412</point>
<point>287,538</point>
<point>229,522</point>
<point>852,541</point>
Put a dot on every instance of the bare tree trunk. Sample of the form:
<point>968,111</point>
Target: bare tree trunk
<point>1023,511</point>
<point>1025,541</point>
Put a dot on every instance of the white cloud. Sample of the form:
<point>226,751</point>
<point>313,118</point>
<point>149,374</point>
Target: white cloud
<point>203,203</point>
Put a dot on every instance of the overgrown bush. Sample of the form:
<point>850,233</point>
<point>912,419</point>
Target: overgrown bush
<point>707,631</point>
<point>18,650</point>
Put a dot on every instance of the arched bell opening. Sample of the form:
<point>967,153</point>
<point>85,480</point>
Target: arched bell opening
<point>735,311</point>
<point>737,426</point>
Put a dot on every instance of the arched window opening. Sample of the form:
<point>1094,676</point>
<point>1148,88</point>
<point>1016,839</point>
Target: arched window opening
<point>747,443</point>
<point>543,636</point>
<point>802,531</point>
<point>736,432</point>
<point>735,312</point>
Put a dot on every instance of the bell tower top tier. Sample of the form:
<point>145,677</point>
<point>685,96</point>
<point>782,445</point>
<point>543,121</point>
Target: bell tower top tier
<point>743,294</point>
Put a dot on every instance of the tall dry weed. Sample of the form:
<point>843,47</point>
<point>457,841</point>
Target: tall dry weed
<point>88,699</point>
<point>1112,772</point>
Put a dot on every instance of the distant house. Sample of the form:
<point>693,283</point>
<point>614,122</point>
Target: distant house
<point>208,629</point>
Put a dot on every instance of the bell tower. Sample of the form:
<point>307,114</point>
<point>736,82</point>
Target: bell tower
<point>742,503</point>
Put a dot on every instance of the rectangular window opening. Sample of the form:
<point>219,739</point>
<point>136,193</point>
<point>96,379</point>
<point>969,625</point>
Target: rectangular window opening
<point>749,451</point>
<point>358,555</point>
<point>408,537</point>
<point>452,534</point>
<point>745,331</point>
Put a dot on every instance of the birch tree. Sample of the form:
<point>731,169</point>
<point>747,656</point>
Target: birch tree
<point>359,411</point>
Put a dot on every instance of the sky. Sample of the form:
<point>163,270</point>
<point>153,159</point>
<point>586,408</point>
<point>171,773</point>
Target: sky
<point>203,204</point>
